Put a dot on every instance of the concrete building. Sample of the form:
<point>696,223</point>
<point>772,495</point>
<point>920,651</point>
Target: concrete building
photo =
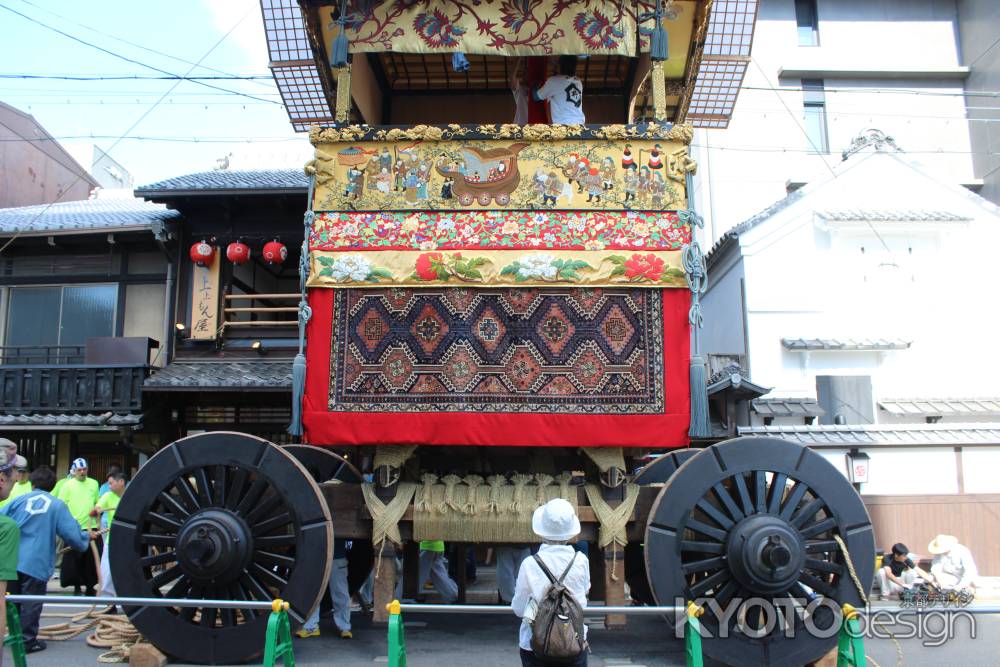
<point>979,25</point>
<point>34,168</point>
<point>858,301</point>
<point>822,72</point>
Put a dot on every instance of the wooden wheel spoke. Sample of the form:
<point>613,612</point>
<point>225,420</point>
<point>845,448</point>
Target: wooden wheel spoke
<point>219,486</point>
<point>158,539</point>
<point>792,501</point>
<point>273,559</point>
<point>705,565</point>
<point>777,492</point>
<point>173,506</point>
<point>705,529</point>
<point>180,588</point>
<point>204,488</point>
<point>158,559</point>
<point>208,616</point>
<point>275,541</point>
<point>164,521</point>
<point>821,546</point>
<point>760,491</point>
<point>252,496</point>
<point>807,512</point>
<point>187,494</point>
<point>268,576</point>
<point>257,591</point>
<point>726,498</point>
<point>816,584</point>
<point>698,589</point>
<point>236,487</point>
<point>700,547</point>
<point>743,494</point>
<point>187,613</point>
<point>263,508</point>
<point>165,577</point>
<point>824,566</point>
<point>816,528</point>
<point>713,513</point>
<point>271,524</point>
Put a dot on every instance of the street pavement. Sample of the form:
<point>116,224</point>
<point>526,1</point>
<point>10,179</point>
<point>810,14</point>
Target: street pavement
<point>440,640</point>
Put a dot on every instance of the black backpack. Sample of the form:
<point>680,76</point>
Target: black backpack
<point>557,631</point>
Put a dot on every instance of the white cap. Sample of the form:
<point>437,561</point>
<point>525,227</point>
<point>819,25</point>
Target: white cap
<point>556,520</point>
<point>78,464</point>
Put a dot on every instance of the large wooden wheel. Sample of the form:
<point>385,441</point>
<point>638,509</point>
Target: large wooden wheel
<point>220,516</point>
<point>754,520</point>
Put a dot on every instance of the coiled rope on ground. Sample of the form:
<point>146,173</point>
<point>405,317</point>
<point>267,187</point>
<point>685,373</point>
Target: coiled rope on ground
<point>110,631</point>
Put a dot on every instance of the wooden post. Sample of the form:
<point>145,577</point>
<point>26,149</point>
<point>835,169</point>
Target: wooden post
<point>384,587</point>
<point>461,571</point>
<point>614,591</point>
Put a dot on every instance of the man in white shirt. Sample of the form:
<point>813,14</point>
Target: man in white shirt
<point>557,524</point>
<point>564,94</point>
<point>952,567</point>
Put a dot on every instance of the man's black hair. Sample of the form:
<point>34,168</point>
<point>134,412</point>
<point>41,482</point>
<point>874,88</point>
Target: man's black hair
<point>113,468</point>
<point>118,476</point>
<point>42,478</point>
<point>899,549</point>
<point>567,65</point>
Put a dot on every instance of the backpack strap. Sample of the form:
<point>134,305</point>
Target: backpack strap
<point>548,573</point>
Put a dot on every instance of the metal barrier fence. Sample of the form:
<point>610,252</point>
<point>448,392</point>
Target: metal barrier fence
<point>277,640</point>
<point>850,641</point>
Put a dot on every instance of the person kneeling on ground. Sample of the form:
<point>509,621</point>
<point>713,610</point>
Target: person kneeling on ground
<point>952,567</point>
<point>557,524</point>
<point>898,572</point>
<point>40,517</point>
<point>339,595</point>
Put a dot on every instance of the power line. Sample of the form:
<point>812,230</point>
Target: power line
<point>129,77</point>
<point>125,41</point>
<point>131,60</point>
<point>124,134</point>
<point>883,91</point>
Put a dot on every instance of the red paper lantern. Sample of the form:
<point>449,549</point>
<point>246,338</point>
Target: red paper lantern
<point>202,253</point>
<point>275,252</point>
<point>238,252</point>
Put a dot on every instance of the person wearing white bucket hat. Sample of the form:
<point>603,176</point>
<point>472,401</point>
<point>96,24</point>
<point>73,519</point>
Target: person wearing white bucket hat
<point>557,524</point>
<point>952,567</point>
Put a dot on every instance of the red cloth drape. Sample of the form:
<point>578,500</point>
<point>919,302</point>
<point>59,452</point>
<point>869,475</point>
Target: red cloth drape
<point>669,429</point>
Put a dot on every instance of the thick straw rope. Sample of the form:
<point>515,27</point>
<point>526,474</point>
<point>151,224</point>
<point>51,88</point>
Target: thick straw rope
<point>606,458</point>
<point>393,455</point>
<point>385,518</point>
<point>613,521</point>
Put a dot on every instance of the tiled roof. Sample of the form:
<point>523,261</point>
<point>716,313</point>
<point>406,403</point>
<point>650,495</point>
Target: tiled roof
<point>945,435</point>
<point>733,376</point>
<point>750,223</point>
<point>89,215</point>
<point>222,375</point>
<point>70,420</point>
<point>852,344</point>
<point>787,407</point>
<point>229,179</point>
<point>944,407</point>
<point>890,215</point>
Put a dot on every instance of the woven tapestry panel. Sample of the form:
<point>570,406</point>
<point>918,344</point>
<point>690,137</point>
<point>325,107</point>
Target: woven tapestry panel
<point>553,366</point>
<point>507,350</point>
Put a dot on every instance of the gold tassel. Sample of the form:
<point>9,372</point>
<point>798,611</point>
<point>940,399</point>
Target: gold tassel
<point>659,92</point>
<point>343,109</point>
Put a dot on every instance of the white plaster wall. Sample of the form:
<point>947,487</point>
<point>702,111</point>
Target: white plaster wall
<point>980,466</point>
<point>911,471</point>
<point>745,168</point>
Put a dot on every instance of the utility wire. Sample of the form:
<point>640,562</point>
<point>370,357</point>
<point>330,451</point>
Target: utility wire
<point>129,77</point>
<point>133,44</point>
<point>133,61</point>
<point>125,133</point>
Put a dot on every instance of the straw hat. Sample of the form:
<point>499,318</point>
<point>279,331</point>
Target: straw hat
<point>556,521</point>
<point>942,544</point>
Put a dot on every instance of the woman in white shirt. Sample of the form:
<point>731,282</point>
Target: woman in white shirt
<point>557,524</point>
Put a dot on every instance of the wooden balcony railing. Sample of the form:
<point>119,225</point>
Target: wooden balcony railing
<point>252,314</point>
<point>55,388</point>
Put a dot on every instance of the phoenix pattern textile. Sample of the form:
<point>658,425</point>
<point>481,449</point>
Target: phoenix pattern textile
<point>513,230</point>
<point>555,366</point>
<point>501,27</point>
<point>502,350</point>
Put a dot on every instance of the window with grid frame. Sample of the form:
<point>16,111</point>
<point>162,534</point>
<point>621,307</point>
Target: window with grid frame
<point>814,116</point>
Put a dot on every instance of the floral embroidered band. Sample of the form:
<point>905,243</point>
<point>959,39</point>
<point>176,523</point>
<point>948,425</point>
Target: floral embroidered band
<point>499,230</point>
<point>508,27</point>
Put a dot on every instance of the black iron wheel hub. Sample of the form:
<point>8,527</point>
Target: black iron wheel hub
<point>765,554</point>
<point>214,546</point>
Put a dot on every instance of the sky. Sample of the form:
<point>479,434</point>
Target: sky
<point>191,128</point>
